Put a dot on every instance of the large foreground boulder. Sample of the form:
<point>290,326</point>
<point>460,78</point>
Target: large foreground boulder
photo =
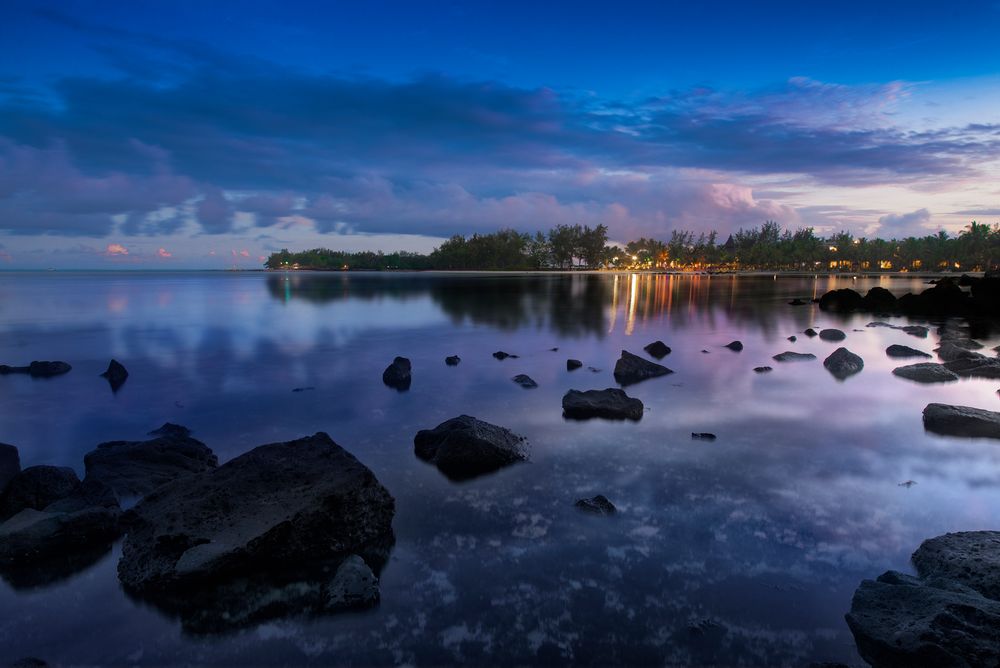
<point>464,447</point>
<point>631,369</point>
<point>136,468</point>
<point>611,403</point>
<point>961,421</point>
<point>947,616</point>
<point>842,363</point>
<point>262,519</point>
<point>926,372</point>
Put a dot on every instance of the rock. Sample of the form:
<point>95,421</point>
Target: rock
<point>354,586</point>
<point>878,300</point>
<point>272,513</point>
<point>844,300</point>
<point>631,369</point>
<point>832,335</point>
<point>949,615</point>
<point>38,369</point>
<point>10,465</point>
<point>657,349</point>
<point>797,302</point>
<point>397,374</point>
<point>972,367</point>
<point>308,388</point>
<point>842,363</point>
<point>524,381</point>
<point>611,403</point>
<point>554,350</point>
<point>789,356</point>
<point>961,421</point>
<point>702,436</point>
<point>598,505</point>
<point>810,332</point>
<point>464,447</point>
<point>37,487</point>
<point>918,331</point>
<point>944,299</point>
<point>501,355</point>
<point>116,375</point>
<point>573,364</point>
<point>452,360</point>
<point>793,338</point>
<point>896,350</point>
<point>735,346</point>
<point>949,352</point>
<point>879,323</point>
<point>762,369</point>
<point>925,372</point>
<point>136,468</point>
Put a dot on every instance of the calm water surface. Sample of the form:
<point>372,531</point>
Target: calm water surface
<point>745,550</point>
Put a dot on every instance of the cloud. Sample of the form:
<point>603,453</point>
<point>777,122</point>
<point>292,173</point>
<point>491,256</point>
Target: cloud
<point>899,226</point>
<point>115,249</point>
<point>163,252</point>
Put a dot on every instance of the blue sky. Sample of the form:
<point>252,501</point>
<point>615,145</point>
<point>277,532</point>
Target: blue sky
<point>207,134</point>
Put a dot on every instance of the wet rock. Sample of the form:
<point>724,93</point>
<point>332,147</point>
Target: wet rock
<point>452,360</point>
<point>501,355</point>
<point>631,369</point>
<point>116,375</point>
<point>789,356</point>
<point>702,436</point>
<point>878,300</point>
<point>879,323</point>
<point>793,338</point>
<point>961,421</point>
<point>896,350</point>
<point>810,332</point>
<point>10,465</point>
<point>598,505</point>
<point>925,372</point>
<point>762,369</point>
<point>573,364</point>
<point>944,299</point>
<point>973,367</point>
<point>38,369</point>
<point>397,374</point>
<point>949,352</point>
<point>253,524</point>
<point>842,363</point>
<point>844,300</point>
<point>136,468</point>
<point>918,331</point>
<point>965,344</point>
<point>37,487</point>
<point>657,349</point>
<point>831,334</point>
<point>524,381</point>
<point>464,447</point>
<point>735,346</point>
<point>797,302</point>
<point>611,403</point>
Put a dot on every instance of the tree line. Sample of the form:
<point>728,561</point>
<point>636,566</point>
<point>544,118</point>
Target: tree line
<point>764,248</point>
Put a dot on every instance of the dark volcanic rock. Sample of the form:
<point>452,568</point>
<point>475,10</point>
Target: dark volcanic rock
<point>452,360</point>
<point>810,332</point>
<point>276,510</point>
<point>949,352</point>
<point>735,346</point>
<point>969,557</point>
<point>842,363</point>
<point>573,364</point>
<point>37,487</point>
<point>762,369</point>
<point>524,381</point>
<point>789,356</point>
<point>896,350</point>
<point>793,338</point>
<point>397,374</point>
<point>598,505</point>
<point>961,421</point>
<point>10,465</point>
<point>501,355</point>
<point>844,300</point>
<point>38,369</point>
<point>702,436</point>
<point>464,447</point>
<point>657,349</point>
<point>136,468</point>
<point>832,335</point>
<point>918,331</point>
<point>631,369</point>
<point>116,375</point>
<point>879,300</point>
<point>611,403</point>
<point>925,372</point>
<point>972,367</point>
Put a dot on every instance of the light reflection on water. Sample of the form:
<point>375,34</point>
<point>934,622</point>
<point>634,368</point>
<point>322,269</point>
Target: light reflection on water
<point>744,549</point>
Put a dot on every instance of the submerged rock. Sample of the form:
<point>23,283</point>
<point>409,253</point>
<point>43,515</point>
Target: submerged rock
<point>842,363</point>
<point>524,381</point>
<point>631,369</point>
<point>397,374</point>
<point>116,375</point>
<point>598,505</point>
<point>735,346</point>
<point>612,404</point>
<point>465,447</point>
<point>789,356</point>
<point>896,350</point>
<point>961,421</point>
<point>573,364</point>
<point>925,372</point>
<point>38,369</point>
<point>452,360</point>
<point>657,349</point>
<point>831,334</point>
<point>501,355</point>
<point>702,436</point>
<point>10,465</point>
<point>136,468</point>
<point>762,369</point>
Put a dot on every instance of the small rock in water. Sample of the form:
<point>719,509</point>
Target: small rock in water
<point>631,369</point>
<point>554,350</point>
<point>735,346</point>
<point>810,332</point>
<point>303,389</point>
<point>762,369</point>
<point>397,374</point>
<point>832,335</point>
<point>702,436</point>
<point>896,350</point>
<point>797,302</point>
<point>658,349</point>
<point>573,364</point>
<point>962,421</point>
<point>704,351</point>
<point>593,369</point>
<point>793,338</point>
<point>37,369</point>
<point>598,505</point>
<point>611,403</point>
<point>464,447</point>
<point>524,381</point>
<point>842,363</point>
<point>789,356</point>
<point>116,375</point>
<point>926,372</point>
<point>501,355</point>
<point>908,484</point>
<point>353,587</point>
<point>452,360</point>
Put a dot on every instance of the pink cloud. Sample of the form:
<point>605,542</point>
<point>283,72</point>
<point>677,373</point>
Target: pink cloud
<point>163,252</point>
<point>244,253</point>
<point>115,249</point>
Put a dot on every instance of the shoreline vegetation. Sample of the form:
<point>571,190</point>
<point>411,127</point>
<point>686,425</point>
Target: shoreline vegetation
<point>767,249</point>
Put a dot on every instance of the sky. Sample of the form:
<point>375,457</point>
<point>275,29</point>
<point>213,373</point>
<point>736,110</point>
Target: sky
<point>179,134</point>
